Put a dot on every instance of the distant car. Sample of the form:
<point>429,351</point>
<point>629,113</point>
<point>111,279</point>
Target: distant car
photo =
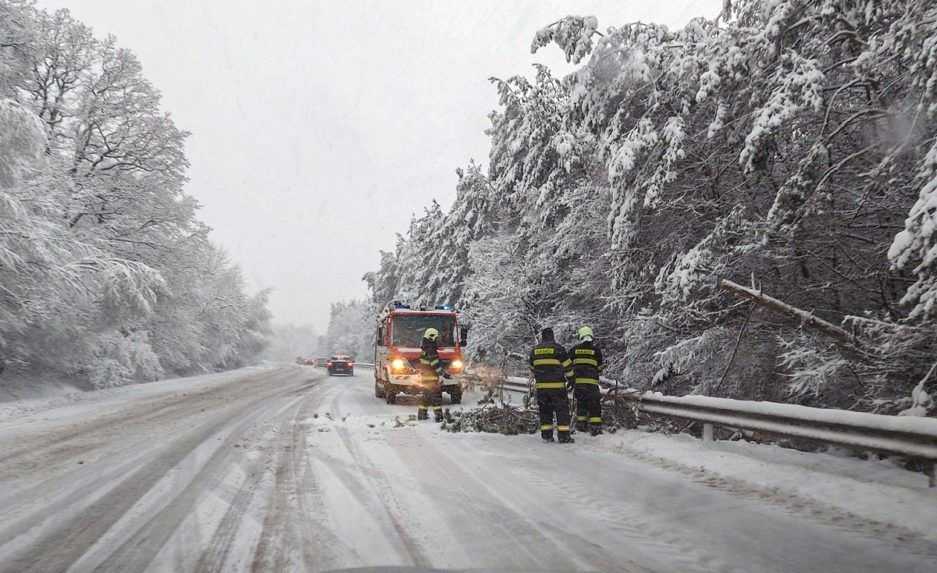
<point>341,364</point>
<point>322,362</point>
<point>310,362</point>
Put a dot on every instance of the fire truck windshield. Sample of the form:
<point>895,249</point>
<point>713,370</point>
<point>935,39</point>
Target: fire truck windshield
<point>409,328</point>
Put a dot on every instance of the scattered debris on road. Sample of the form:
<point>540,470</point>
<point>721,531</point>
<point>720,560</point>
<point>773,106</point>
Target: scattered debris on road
<point>496,419</point>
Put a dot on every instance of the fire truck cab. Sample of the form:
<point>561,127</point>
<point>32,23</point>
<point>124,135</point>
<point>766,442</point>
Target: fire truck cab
<point>397,349</point>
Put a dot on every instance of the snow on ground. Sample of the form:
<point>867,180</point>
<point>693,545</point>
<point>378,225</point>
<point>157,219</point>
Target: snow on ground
<point>514,502</point>
<point>875,490</point>
<point>15,387</point>
<point>289,470</point>
<point>84,401</point>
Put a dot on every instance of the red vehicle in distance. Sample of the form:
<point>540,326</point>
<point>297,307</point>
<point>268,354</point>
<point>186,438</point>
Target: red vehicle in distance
<point>341,364</point>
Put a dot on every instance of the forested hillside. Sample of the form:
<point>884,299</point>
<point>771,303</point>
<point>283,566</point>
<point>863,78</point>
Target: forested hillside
<point>789,145</point>
<point>106,273</point>
<point>350,331</point>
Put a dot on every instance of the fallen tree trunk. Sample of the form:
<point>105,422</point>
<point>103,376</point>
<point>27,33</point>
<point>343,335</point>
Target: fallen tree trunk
<point>776,305</point>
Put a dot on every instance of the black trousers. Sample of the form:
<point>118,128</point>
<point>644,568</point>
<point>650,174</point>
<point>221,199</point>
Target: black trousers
<point>553,403</point>
<point>588,407</point>
<point>431,398</point>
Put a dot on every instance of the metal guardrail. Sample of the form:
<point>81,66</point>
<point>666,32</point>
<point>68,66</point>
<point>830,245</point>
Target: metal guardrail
<point>912,437</point>
<point>520,384</point>
<point>516,384</point>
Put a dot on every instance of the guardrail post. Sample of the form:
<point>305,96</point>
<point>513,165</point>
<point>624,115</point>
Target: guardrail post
<point>707,432</point>
<point>931,475</point>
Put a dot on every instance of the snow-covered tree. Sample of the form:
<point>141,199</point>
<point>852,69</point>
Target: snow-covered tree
<point>351,330</point>
<point>788,142</point>
<point>106,273</point>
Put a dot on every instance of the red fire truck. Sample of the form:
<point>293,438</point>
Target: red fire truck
<point>399,335</point>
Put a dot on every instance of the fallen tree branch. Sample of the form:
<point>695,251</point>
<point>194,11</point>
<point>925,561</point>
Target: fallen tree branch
<point>774,304</point>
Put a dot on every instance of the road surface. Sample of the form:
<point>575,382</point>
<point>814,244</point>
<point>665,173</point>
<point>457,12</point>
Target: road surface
<point>285,469</point>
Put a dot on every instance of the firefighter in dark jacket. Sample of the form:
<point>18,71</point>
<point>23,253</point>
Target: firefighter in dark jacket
<point>553,373</point>
<point>587,364</point>
<point>431,370</point>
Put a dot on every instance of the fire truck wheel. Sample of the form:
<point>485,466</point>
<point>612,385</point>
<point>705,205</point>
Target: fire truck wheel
<point>390,394</point>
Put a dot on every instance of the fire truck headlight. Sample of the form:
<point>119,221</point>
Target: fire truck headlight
<point>456,365</point>
<point>396,364</point>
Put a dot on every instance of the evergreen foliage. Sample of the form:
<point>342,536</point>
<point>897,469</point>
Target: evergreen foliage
<point>792,143</point>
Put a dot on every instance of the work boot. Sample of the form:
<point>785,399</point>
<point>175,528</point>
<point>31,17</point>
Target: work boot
<point>422,414</point>
<point>566,439</point>
<point>547,439</point>
<point>596,431</point>
<point>582,426</point>
<point>437,415</point>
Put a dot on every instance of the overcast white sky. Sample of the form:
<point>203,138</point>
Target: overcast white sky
<point>319,127</point>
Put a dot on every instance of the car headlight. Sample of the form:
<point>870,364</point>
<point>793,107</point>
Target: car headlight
<point>456,364</point>
<point>396,364</point>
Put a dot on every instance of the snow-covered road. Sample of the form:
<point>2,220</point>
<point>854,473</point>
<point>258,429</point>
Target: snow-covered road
<point>284,469</point>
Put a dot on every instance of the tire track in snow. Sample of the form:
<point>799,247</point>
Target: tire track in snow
<point>798,506</point>
<point>68,542</point>
<point>141,548</point>
<point>71,501</point>
<point>474,504</point>
<point>219,545</point>
<point>479,516</point>
<point>309,499</point>
<point>301,484</point>
<point>626,520</point>
<point>381,486</point>
<point>149,410</point>
<point>269,554</point>
<point>508,485</point>
<point>57,547</point>
<point>126,439</point>
<point>289,532</point>
<point>85,483</point>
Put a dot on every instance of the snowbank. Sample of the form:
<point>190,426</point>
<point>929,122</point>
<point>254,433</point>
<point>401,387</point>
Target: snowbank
<point>15,388</point>
<point>74,398</point>
<point>875,490</point>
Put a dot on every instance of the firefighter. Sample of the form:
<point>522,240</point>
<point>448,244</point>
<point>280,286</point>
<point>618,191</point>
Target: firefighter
<point>587,364</point>
<point>553,373</point>
<point>431,370</point>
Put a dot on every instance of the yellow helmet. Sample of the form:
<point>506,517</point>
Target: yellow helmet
<point>584,333</point>
<point>431,334</point>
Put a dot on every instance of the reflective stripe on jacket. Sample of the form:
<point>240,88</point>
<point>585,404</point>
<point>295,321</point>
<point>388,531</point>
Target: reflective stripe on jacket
<point>587,362</point>
<point>430,367</point>
<point>551,366</point>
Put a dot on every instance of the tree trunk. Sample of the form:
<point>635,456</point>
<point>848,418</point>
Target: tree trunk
<point>774,304</point>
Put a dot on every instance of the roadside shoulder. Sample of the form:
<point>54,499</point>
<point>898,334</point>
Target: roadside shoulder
<point>77,400</point>
<point>874,490</point>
